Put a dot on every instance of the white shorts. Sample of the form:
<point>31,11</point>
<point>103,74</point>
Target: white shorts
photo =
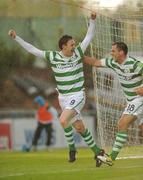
<point>75,101</point>
<point>135,108</point>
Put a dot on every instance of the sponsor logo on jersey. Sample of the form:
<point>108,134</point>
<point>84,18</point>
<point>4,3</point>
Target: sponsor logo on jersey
<point>126,78</point>
<point>126,70</point>
<point>67,65</point>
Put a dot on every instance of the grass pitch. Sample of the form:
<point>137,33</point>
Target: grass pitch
<point>53,165</point>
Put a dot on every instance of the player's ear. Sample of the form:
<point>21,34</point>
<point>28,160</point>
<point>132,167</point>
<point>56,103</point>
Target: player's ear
<point>64,46</point>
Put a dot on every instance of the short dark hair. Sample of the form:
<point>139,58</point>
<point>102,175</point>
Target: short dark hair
<point>121,46</point>
<point>63,40</point>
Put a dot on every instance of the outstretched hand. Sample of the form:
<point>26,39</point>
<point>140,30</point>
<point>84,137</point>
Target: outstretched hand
<point>12,33</point>
<point>93,15</point>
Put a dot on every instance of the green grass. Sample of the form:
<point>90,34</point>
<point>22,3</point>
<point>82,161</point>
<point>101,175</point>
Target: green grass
<point>45,165</point>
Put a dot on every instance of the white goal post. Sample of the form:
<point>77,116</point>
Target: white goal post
<point>109,98</point>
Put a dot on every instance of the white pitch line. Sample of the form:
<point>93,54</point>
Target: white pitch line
<point>130,157</point>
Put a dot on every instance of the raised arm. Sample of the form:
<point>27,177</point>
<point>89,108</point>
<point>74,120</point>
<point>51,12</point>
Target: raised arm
<point>27,46</point>
<point>90,33</point>
<point>92,61</point>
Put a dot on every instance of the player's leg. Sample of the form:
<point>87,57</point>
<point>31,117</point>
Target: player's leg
<point>72,106</point>
<point>132,111</point>
<point>67,104</point>
<point>78,102</point>
<point>87,136</point>
<point>78,105</point>
<point>65,118</point>
<point>121,136</point>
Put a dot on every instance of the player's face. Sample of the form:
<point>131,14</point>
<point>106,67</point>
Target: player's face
<point>69,47</point>
<point>115,53</point>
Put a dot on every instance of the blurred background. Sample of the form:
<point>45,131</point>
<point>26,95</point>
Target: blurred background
<point>23,77</point>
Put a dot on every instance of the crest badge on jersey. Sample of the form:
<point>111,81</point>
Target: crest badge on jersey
<point>127,70</point>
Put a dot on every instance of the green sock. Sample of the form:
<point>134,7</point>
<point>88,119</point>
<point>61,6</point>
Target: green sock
<point>90,141</point>
<point>69,136</point>
<point>121,138</point>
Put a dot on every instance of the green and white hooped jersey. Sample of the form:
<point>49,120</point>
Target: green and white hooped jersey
<point>68,71</point>
<point>130,75</point>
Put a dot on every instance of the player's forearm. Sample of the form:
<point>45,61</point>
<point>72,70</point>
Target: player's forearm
<point>92,61</point>
<point>89,35</point>
<point>91,29</point>
<point>30,48</point>
<point>139,91</point>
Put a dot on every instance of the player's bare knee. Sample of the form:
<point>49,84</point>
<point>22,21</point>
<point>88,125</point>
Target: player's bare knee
<point>80,128</point>
<point>63,122</point>
<point>121,126</point>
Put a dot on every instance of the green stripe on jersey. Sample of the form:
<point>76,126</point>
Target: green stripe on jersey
<point>80,51</point>
<point>138,83</point>
<point>70,82</point>
<point>128,93</point>
<point>71,90</point>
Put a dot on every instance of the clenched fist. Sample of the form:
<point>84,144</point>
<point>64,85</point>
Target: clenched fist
<point>12,33</point>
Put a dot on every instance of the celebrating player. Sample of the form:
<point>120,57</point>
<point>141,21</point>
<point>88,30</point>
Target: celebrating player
<point>130,73</point>
<point>67,66</point>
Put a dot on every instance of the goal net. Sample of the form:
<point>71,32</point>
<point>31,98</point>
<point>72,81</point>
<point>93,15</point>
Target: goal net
<point>109,97</point>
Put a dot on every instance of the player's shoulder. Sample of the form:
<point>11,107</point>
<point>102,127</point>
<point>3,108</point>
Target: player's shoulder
<point>135,60</point>
<point>79,49</point>
<point>108,59</point>
<point>78,46</point>
<point>131,58</point>
<point>51,54</point>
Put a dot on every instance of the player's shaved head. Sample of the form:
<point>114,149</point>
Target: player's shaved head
<point>121,46</point>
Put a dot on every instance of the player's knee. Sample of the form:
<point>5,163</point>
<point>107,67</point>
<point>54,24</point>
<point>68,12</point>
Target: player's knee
<point>63,122</point>
<point>122,126</point>
<point>80,128</point>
